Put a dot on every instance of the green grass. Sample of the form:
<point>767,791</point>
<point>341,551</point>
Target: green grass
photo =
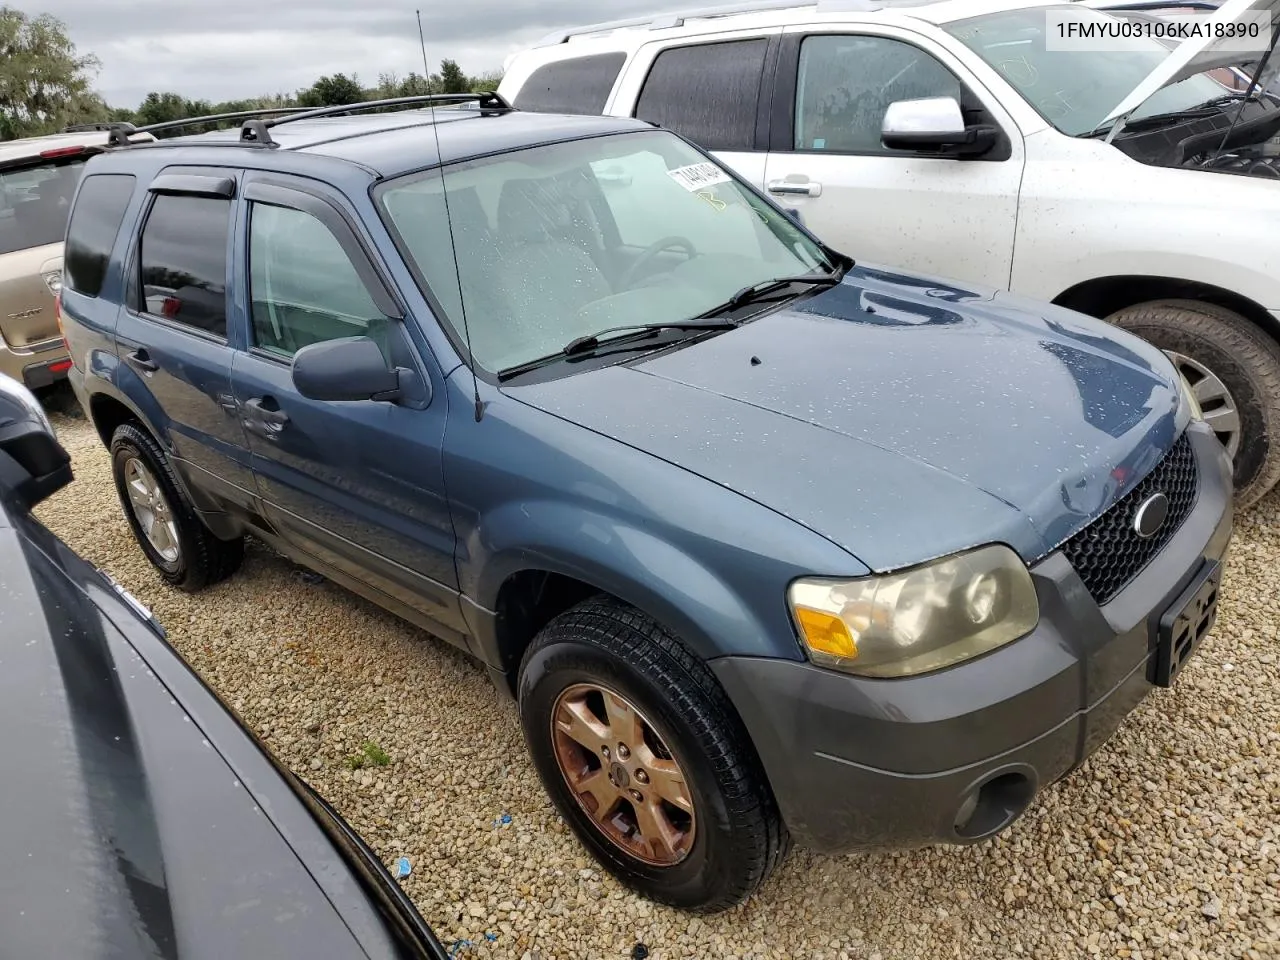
<point>370,755</point>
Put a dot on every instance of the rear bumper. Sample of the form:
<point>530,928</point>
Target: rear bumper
<point>37,366</point>
<point>956,756</point>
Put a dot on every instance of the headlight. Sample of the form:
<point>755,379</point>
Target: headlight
<point>1187,400</point>
<point>917,620</point>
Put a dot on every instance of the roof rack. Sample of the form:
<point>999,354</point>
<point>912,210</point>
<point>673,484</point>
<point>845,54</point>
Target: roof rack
<point>255,130</point>
<point>662,21</point>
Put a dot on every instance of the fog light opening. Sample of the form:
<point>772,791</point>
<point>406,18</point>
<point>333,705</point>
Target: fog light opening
<point>993,805</point>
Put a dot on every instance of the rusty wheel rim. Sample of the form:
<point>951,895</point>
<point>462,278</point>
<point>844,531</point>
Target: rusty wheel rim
<point>622,774</point>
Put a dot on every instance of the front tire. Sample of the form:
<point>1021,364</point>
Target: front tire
<point>1234,370</point>
<point>179,546</point>
<point>645,758</point>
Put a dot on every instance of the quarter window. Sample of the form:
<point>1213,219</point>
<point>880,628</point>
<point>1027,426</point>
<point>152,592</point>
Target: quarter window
<point>184,261</point>
<point>303,287</point>
<point>578,85</point>
<point>846,84</point>
<point>99,210</point>
<point>709,93</point>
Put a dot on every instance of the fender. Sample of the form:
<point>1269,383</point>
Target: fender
<point>710,615</point>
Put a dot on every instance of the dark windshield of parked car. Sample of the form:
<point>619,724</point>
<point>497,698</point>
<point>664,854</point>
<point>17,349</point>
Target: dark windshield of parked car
<point>566,240</point>
<point>35,202</point>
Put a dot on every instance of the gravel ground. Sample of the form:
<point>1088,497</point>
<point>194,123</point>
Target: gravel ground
<point>1165,844</point>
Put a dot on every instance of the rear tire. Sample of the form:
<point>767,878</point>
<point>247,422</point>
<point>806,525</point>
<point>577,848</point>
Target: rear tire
<point>732,838</point>
<point>1218,342</point>
<point>179,546</point>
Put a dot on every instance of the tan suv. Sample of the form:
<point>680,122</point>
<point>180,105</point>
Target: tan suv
<point>38,178</point>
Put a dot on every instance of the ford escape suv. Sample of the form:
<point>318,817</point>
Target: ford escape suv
<point>38,178</point>
<point>767,544</point>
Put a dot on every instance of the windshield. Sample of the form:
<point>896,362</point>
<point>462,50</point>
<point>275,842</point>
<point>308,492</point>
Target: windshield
<point>1075,89</point>
<point>567,240</point>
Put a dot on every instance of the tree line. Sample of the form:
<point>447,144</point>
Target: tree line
<point>47,85</point>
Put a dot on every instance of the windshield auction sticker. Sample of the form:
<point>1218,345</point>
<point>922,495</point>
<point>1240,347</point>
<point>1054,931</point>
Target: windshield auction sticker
<point>698,176</point>
<point>1071,29</point>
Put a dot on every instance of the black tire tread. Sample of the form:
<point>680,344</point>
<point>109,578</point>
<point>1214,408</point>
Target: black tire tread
<point>208,559</point>
<point>762,839</point>
<point>1244,341</point>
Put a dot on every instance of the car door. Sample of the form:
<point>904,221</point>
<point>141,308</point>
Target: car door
<point>937,215</point>
<point>358,486</point>
<point>171,335</point>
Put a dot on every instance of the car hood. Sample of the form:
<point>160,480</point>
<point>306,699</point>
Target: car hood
<point>901,417</point>
<point>126,830</point>
<point>1202,54</point>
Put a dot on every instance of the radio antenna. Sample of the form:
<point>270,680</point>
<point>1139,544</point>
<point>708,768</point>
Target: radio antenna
<point>426,69</point>
<point>453,245</point>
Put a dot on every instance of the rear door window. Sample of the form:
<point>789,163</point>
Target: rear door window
<point>709,92</point>
<point>184,262</point>
<point>579,85</point>
<point>35,203</point>
<point>95,222</point>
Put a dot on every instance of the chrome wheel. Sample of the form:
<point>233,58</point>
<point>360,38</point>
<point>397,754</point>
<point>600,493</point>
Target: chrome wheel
<point>151,509</point>
<point>1216,402</point>
<point>623,775</point>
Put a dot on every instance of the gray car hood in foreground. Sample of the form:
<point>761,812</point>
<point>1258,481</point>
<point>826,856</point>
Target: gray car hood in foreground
<point>899,417</point>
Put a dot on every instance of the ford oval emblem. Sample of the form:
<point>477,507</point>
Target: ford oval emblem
<point>1149,518</point>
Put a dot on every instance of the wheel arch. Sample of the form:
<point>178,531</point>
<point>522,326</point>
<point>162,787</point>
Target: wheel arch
<point>545,566</point>
<point>1102,296</point>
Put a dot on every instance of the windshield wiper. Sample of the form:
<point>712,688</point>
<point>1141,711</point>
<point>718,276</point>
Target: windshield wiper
<point>586,344</point>
<point>1156,120</point>
<point>757,290</point>
<point>591,341</point>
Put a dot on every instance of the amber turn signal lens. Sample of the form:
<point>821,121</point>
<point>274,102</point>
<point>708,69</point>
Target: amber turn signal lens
<point>826,633</point>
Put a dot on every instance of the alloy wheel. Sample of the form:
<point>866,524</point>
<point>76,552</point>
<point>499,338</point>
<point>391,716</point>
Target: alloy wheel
<point>623,775</point>
<point>1216,402</point>
<point>151,509</point>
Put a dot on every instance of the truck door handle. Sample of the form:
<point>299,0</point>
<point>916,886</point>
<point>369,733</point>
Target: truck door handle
<point>266,411</point>
<point>141,360</point>
<point>796,188</point>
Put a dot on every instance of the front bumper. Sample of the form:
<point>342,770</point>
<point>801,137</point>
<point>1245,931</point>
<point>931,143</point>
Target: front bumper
<point>957,755</point>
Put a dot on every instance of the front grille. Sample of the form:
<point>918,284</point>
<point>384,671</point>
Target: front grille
<point>1108,553</point>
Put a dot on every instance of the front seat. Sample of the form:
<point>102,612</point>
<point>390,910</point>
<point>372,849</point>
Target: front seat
<point>546,278</point>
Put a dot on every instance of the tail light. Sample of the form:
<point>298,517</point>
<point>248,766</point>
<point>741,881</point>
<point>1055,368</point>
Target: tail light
<point>57,152</point>
<point>57,315</point>
<point>169,309</point>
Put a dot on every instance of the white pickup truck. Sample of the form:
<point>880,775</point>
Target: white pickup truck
<point>950,138</point>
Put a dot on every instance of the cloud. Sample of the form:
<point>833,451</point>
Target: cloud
<point>241,48</point>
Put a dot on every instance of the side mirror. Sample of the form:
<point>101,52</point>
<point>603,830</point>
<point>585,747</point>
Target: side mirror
<point>351,368</point>
<point>934,123</point>
<point>33,464</point>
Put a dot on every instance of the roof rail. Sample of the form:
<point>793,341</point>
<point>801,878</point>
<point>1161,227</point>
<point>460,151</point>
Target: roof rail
<point>661,21</point>
<point>89,127</point>
<point>255,130</point>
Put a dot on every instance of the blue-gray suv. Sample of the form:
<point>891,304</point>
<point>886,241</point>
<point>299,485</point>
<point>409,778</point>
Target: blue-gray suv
<point>766,543</point>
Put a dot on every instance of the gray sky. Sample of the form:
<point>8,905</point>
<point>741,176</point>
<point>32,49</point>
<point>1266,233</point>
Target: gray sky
<point>227,49</point>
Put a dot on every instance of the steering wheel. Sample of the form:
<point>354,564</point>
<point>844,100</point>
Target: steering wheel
<point>651,251</point>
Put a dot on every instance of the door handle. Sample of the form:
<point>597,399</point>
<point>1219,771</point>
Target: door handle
<point>141,360</point>
<point>266,411</point>
<point>796,188</point>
